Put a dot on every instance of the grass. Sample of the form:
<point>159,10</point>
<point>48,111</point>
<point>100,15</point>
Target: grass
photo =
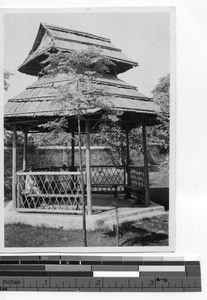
<point>145,232</point>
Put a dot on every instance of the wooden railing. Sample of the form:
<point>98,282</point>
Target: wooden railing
<point>48,191</point>
<point>104,177</point>
<point>62,191</point>
<point>136,176</point>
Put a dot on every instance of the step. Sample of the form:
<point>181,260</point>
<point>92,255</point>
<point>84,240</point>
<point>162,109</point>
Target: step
<point>110,224</point>
<point>124,213</point>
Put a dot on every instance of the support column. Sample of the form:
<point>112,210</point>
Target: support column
<point>25,151</point>
<point>14,165</point>
<point>146,170</point>
<point>72,149</point>
<point>88,169</point>
<point>127,158</point>
<point>128,174</point>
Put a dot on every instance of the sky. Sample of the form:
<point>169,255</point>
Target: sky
<point>143,36</point>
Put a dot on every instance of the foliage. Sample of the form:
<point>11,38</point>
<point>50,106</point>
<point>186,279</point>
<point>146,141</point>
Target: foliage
<point>8,136</point>
<point>111,136</point>
<point>86,62</point>
<point>161,95</point>
<point>156,134</point>
<point>82,92</point>
<point>7,75</point>
<point>115,140</point>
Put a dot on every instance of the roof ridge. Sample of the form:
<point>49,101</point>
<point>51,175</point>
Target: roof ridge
<point>86,34</point>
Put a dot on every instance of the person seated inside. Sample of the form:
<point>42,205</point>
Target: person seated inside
<point>49,182</point>
<point>31,186</point>
<point>63,180</point>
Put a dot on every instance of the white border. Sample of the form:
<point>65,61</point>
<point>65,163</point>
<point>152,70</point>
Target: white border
<point>147,249</point>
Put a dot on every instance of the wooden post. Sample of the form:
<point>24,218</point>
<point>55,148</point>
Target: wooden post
<point>127,158</point>
<point>146,170</point>
<point>72,149</point>
<point>25,151</point>
<point>82,184</point>
<point>128,182</point>
<point>88,168</point>
<point>14,165</point>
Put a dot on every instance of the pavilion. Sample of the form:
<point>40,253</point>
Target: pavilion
<point>37,105</point>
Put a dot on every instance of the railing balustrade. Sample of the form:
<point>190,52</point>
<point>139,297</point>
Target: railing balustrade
<point>104,177</point>
<point>136,176</point>
<point>59,191</point>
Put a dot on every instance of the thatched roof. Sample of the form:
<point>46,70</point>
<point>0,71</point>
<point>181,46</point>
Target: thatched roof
<point>52,38</point>
<point>39,99</point>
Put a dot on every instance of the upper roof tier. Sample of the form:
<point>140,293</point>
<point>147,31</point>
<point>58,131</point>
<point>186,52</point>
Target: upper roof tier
<point>53,38</point>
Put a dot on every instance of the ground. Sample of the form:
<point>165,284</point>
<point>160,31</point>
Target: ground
<point>145,232</point>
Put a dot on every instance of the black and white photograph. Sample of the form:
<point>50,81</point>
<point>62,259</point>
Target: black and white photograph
<point>89,120</point>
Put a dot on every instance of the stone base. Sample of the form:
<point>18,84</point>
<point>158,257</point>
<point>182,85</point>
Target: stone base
<point>106,219</point>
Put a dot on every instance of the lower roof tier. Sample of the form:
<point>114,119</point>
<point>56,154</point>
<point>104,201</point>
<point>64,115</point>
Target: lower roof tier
<point>40,101</point>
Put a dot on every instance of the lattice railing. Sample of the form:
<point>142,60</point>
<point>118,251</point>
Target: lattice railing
<point>59,191</point>
<point>103,178</point>
<point>137,176</point>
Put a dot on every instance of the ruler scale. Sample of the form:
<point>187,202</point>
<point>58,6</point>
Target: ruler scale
<point>99,274</point>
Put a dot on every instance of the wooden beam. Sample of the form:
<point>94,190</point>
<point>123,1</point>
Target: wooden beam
<point>88,169</point>
<point>146,169</point>
<point>14,165</point>
<point>25,151</point>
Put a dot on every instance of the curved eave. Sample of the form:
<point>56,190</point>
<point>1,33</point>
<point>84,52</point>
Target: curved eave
<point>36,105</point>
<point>132,117</point>
<point>39,101</point>
<point>33,66</point>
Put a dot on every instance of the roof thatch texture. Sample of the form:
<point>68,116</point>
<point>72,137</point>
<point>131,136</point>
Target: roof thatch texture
<point>52,38</point>
<point>40,98</point>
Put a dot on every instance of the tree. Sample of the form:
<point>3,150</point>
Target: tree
<point>8,134</point>
<point>81,93</point>
<point>7,75</point>
<point>161,95</point>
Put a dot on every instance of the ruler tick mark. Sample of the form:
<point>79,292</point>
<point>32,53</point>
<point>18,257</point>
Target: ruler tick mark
<point>167,281</point>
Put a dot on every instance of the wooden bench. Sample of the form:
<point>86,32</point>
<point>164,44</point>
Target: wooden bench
<point>136,191</point>
<point>111,186</point>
